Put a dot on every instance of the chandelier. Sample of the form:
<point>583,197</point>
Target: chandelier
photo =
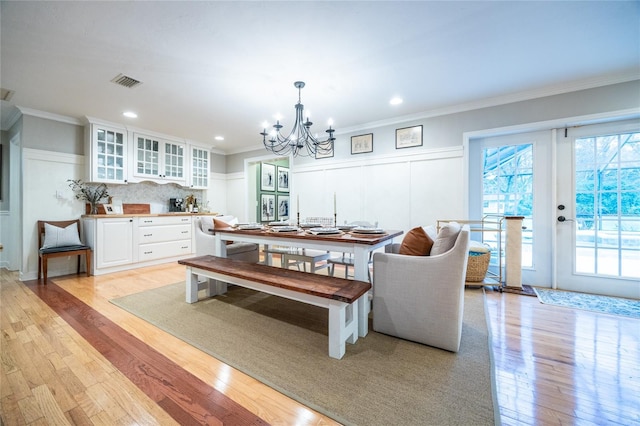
<point>300,140</point>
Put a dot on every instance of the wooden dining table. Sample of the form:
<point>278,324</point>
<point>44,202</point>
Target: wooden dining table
<point>360,245</point>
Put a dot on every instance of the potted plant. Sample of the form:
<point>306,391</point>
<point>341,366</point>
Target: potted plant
<point>88,193</point>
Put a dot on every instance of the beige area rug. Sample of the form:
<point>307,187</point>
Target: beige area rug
<point>380,381</point>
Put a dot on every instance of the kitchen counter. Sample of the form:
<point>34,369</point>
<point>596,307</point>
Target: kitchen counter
<point>103,216</point>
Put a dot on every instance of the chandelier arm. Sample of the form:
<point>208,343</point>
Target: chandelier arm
<point>300,140</point>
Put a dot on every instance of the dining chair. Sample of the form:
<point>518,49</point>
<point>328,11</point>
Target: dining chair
<point>58,239</point>
<point>346,259</point>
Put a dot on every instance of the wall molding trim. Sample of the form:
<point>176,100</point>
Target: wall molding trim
<point>553,90</point>
<point>432,154</point>
<point>50,116</point>
<point>52,156</point>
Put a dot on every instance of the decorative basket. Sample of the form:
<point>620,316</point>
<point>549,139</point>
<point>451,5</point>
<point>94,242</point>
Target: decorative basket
<point>477,266</point>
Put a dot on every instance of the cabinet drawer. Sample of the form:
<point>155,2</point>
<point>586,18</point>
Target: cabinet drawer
<point>164,220</point>
<point>165,249</point>
<point>156,234</point>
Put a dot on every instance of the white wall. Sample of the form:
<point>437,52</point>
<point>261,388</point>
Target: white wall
<point>217,193</point>
<point>44,173</point>
<point>398,192</point>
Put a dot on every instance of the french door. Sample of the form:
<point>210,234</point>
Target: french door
<point>598,209</point>
<point>509,177</point>
<point>579,192</point>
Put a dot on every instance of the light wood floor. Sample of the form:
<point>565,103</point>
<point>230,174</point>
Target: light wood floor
<point>552,365</point>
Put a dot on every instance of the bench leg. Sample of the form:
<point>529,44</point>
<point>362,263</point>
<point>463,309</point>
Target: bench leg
<point>343,327</point>
<point>191,286</point>
<point>363,314</point>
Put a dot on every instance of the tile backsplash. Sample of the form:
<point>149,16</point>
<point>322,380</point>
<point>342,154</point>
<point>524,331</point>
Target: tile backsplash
<point>154,194</point>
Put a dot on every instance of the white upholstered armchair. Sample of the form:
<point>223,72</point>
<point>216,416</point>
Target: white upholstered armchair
<point>205,243</point>
<point>421,298</point>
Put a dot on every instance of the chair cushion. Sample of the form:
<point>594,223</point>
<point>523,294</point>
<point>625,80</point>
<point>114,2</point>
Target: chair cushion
<point>63,249</point>
<point>446,238</point>
<point>55,236</point>
<point>237,248</point>
<point>416,243</point>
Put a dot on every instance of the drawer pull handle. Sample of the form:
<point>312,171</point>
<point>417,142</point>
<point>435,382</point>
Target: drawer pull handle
<point>148,221</point>
<point>184,232</point>
<point>148,252</point>
<point>185,247</point>
<point>148,235</point>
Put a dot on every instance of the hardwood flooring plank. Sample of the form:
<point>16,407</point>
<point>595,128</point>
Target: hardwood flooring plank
<point>553,366</point>
<point>49,406</point>
<point>156,375</point>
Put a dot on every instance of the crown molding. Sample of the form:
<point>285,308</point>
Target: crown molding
<point>10,115</point>
<point>50,116</point>
<point>552,90</point>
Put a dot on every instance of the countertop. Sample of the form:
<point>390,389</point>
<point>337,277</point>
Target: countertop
<point>104,216</point>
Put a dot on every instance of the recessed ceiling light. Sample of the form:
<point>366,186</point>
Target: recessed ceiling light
<point>395,101</point>
<point>130,114</point>
<point>219,138</point>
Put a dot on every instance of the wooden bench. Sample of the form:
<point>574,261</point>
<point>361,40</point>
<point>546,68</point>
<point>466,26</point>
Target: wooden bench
<point>346,300</point>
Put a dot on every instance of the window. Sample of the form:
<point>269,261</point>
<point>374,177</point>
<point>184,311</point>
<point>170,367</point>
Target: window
<point>507,182</point>
<point>607,187</point>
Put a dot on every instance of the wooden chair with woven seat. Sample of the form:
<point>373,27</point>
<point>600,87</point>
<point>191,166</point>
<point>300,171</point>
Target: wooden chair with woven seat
<point>63,239</point>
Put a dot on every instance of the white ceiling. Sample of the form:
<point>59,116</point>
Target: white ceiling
<point>222,68</point>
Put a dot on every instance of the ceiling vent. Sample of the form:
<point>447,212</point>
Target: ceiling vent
<point>6,94</point>
<point>126,81</point>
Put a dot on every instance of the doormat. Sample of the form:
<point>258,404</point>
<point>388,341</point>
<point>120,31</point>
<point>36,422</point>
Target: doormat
<point>590,302</point>
<point>526,290</point>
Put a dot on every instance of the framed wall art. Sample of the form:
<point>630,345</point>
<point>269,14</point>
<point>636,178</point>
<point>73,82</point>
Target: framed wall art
<point>408,137</point>
<point>267,177</point>
<point>283,179</point>
<point>283,207</point>
<point>267,207</point>
<point>362,143</point>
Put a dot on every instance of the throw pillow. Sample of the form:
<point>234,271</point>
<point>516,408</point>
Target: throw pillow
<point>416,243</point>
<point>220,224</point>
<point>446,238</point>
<point>55,236</point>
<point>224,222</point>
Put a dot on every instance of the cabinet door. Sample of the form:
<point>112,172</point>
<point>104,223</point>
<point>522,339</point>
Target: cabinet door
<point>108,148</point>
<point>147,157</point>
<point>114,244</point>
<point>199,167</point>
<point>174,162</point>
<point>158,160</point>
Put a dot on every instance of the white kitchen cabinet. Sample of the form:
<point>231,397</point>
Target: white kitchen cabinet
<point>114,237</point>
<point>164,236</point>
<point>158,160</point>
<point>199,170</point>
<point>106,153</point>
<point>128,242</point>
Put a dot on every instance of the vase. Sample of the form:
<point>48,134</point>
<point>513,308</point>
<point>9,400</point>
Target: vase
<point>94,208</point>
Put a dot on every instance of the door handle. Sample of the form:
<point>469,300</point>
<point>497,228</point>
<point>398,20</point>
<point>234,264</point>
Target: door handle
<point>564,219</point>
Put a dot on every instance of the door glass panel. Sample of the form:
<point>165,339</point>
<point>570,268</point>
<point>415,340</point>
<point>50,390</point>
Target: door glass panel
<point>607,181</point>
<point>507,182</point>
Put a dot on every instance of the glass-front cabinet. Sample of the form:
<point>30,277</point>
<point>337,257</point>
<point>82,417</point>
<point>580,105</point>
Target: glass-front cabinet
<point>107,148</point>
<point>199,167</point>
<point>158,159</point>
